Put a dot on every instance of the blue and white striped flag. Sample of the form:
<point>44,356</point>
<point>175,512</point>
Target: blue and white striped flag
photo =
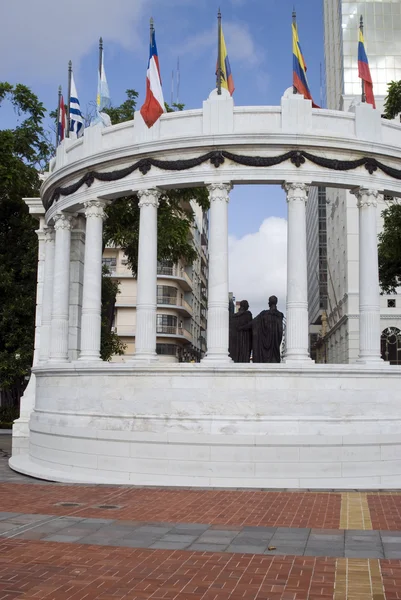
<point>76,118</point>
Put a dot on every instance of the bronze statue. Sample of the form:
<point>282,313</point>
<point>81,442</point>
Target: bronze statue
<point>267,334</point>
<point>240,340</point>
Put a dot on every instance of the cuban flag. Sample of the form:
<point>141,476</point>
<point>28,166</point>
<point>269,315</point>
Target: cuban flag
<point>153,107</point>
<point>62,120</point>
<point>364,71</point>
<point>76,118</point>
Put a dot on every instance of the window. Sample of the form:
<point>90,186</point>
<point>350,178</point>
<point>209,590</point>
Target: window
<point>110,263</point>
<point>165,267</point>
<point>167,349</point>
<point>166,294</point>
<point>391,303</point>
<point>166,324</point>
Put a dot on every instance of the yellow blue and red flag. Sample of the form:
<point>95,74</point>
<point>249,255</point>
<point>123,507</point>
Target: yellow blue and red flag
<point>364,71</point>
<point>300,81</point>
<point>227,80</point>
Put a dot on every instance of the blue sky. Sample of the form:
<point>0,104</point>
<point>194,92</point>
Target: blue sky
<point>38,38</point>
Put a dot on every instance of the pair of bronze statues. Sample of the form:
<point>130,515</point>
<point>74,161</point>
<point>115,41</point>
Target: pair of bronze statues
<point>260,336</point>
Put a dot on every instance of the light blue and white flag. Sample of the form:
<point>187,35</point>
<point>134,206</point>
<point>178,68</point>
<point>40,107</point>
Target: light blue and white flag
<point>76,119</point>
<point>103,95</point>
<point>103,99</point>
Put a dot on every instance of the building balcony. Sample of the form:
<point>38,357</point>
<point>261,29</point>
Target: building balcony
<point>175,273</point>
<point>162,302</point>
<point>162,331</point>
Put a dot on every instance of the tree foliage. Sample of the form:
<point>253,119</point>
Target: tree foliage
<point>392,103</point>
<point>124,112</point>
<point>23,151</point>
<point>175,215</point>
<point>390,250</point>
<point>111,344</point>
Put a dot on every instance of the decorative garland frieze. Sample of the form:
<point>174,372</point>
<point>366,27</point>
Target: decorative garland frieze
<point>217,158</point>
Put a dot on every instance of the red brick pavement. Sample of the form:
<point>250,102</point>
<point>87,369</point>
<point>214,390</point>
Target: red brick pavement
<point>385,511</point>
<point>391,575</point>
<point>51,571</point>
<point>245,508</point>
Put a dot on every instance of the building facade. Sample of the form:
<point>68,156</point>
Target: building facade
<point>181,300</point>
<point>340,299</point>
<point>382,32</point>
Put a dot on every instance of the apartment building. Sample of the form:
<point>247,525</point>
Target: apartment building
<point>181,300</point>
<point>340,299</point>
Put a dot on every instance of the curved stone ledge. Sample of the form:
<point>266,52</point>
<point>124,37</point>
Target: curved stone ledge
<point>252,427</point>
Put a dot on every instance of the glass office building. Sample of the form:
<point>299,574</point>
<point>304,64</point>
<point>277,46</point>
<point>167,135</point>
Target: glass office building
<point>382,30</point>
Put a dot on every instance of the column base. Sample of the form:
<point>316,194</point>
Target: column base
<point>89,358</point>
<point>217,359</point>
<point>370,360</point>
<point>144,359</point>
<point>58,360</point>
<point>296,359</point>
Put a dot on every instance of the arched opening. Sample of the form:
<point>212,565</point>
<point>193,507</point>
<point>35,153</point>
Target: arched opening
<point>391,345</point>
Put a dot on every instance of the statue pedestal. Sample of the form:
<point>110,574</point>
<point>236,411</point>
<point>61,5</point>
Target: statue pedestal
<point>269,426</point>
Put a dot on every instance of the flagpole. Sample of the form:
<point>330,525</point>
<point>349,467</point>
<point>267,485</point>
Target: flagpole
<point>58,116</point>
<point>69,97</point>
<point>294,22</point>
<point>219,53</point>
<point>363,82</point>
<point>100,55</point>
<point>178,81</point>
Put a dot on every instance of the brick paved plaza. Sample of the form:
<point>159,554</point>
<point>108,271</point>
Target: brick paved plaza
<point>75,542</point>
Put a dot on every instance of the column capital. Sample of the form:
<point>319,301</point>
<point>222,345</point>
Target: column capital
<point>149,197</point>
<point>366,197</point>
<point>219,191</point>
<point>95,208</point>
<point>49,233</point>
<point>296,191</point>
<point>63,221</point>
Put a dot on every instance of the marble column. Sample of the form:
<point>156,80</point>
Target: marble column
<point>63,224</point>
<point>92,292</point>
<point>145,334</point>
<point>369,289</point>
<point>218,315</point>
<point>47,301</point>
<point>297,330</point>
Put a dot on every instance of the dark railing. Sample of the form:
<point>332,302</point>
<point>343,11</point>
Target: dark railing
<point>170,329</point>
<point>167,300</point>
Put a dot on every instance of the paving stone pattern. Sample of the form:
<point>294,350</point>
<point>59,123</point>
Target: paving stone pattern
<point>114,573</point>
<point>202,537</point>
<point>79,542</point>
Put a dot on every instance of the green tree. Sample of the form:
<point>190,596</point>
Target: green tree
<point>111,344</point>
<point>392,104</point>
<point>390,250</point>
<point>24,151</point>
<point>175,215</point>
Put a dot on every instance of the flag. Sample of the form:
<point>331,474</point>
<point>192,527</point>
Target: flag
<point>227,81</point>
<point>62,120</point>
<point>76,118</point>
<point>153,107</point>
<point>103,99</point>
<point>103,95</point>
<point>300,81</point>
<point>364,71</point>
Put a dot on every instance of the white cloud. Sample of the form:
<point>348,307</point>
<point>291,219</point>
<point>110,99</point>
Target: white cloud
<point>258,265</point>
<point>39,37</point>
